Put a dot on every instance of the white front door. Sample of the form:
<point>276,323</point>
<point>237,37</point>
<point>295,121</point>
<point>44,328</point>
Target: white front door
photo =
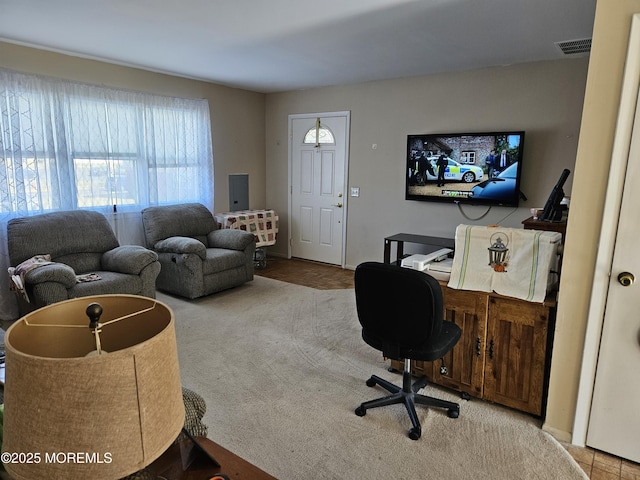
<point>317,186</point>
<point>614,422</point>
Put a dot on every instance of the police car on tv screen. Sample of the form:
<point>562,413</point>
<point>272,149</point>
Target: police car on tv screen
<point>455,171</point>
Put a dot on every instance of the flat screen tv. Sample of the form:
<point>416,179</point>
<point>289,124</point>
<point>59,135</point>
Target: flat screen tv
<point>472,168</point>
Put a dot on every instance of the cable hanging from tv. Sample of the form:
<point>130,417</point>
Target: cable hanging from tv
<point>468,217</point>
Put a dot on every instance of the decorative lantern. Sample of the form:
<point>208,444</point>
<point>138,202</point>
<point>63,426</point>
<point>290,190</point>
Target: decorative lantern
<point>498,252</point>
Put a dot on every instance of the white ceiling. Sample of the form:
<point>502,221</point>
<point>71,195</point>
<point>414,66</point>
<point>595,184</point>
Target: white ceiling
<point>279,45</point>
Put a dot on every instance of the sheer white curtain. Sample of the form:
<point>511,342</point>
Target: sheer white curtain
<point>67,145</point>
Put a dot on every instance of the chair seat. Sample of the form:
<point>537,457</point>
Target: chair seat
<point>220,259</point>
<point>433,349</point>
<point>109,283</point>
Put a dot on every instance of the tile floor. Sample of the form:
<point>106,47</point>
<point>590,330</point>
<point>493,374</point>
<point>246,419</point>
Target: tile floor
<point>597,465</point>
<point>602,466</point>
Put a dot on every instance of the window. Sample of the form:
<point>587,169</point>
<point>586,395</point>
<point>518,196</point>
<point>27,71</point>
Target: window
<point>468,156</point>
<point>319,134</point>
<point>66,145</point>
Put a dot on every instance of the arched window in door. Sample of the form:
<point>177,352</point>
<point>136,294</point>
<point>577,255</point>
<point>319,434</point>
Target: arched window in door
<point>319,134</point>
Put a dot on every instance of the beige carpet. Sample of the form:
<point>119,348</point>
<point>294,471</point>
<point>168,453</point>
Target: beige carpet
<point>282,368</point>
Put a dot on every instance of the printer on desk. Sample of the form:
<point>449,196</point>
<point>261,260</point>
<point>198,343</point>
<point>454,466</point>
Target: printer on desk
<point>438,263</point>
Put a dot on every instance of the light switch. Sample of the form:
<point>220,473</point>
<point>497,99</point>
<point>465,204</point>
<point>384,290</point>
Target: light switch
<point>355,191</point>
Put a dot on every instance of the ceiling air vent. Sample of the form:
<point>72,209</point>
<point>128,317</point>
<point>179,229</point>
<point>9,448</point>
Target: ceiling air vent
<point>572,47</point>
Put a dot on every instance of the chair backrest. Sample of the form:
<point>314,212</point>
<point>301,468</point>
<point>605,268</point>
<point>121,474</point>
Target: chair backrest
<point>77,238</point>
<point>182,220</point>
<point>398,308</point>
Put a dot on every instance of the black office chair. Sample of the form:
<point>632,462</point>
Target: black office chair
<point>401,314</point>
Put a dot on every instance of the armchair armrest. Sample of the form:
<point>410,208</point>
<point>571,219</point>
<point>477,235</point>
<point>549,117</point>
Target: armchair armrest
<point>54,272</point>
<point>230,239</point>
<point>131,259</point>
<point>181,245</point>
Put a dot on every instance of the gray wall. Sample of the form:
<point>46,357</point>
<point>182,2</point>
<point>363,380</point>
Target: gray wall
<point>544,99</point>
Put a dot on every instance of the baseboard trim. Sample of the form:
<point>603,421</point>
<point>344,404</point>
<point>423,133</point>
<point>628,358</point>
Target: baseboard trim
<point>284,255</point>
<point>276,254</point>
<point>558,434</point>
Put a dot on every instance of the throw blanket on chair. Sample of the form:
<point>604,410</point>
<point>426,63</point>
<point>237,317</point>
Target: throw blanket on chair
<point>512,262</point>
<point>16,274</point>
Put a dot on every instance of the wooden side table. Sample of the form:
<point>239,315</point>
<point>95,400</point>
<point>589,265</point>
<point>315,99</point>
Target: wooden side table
<point>169,465</point>
<point>401,238</point>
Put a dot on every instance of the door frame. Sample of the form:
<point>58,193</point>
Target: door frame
<point>629,108</point>
<point>345,202</point>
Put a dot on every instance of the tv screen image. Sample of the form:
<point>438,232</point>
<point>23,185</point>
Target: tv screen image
<point>473,168</point>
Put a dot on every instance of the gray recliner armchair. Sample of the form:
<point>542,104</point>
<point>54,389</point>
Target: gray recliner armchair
<point>76,243</point>
<point>197,257</point>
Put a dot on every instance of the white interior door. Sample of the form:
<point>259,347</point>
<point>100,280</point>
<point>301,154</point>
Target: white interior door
<point>614,422</point>
<point>317,185</point>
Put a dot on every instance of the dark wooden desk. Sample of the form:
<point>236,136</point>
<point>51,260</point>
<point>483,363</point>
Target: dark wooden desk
<point>560,227</point>
<point>169,465</point>
<point>400,238</point>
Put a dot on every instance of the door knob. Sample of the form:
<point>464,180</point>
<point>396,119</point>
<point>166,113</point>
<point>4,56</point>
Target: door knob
<point>626,279</point>
<point>339,205</point>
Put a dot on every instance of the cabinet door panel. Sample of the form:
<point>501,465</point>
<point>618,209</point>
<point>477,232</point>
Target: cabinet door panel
<point>516,347</point>
<point>465,362</point>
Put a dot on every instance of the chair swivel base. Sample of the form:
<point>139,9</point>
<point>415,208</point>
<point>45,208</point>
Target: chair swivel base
<point>408,396</point>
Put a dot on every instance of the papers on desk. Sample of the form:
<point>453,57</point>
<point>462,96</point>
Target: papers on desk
<point>437,264</point>
<point>422,262</point>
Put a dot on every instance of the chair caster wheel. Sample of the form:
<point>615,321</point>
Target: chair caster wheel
<point>371,382</point>
<point>453,413</point>
<point>361,412</point>
<point>415,433</point>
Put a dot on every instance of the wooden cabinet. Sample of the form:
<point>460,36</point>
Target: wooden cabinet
<point>503,354</point>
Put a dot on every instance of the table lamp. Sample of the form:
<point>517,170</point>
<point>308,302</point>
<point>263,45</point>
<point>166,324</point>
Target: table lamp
<point>91,402</point>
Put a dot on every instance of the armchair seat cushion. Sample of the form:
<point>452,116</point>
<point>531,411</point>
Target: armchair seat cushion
<point>219,259</point>
<point>109,283</point>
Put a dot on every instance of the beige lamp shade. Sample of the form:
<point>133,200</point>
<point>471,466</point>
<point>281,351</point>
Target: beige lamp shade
<point>72,416</point>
